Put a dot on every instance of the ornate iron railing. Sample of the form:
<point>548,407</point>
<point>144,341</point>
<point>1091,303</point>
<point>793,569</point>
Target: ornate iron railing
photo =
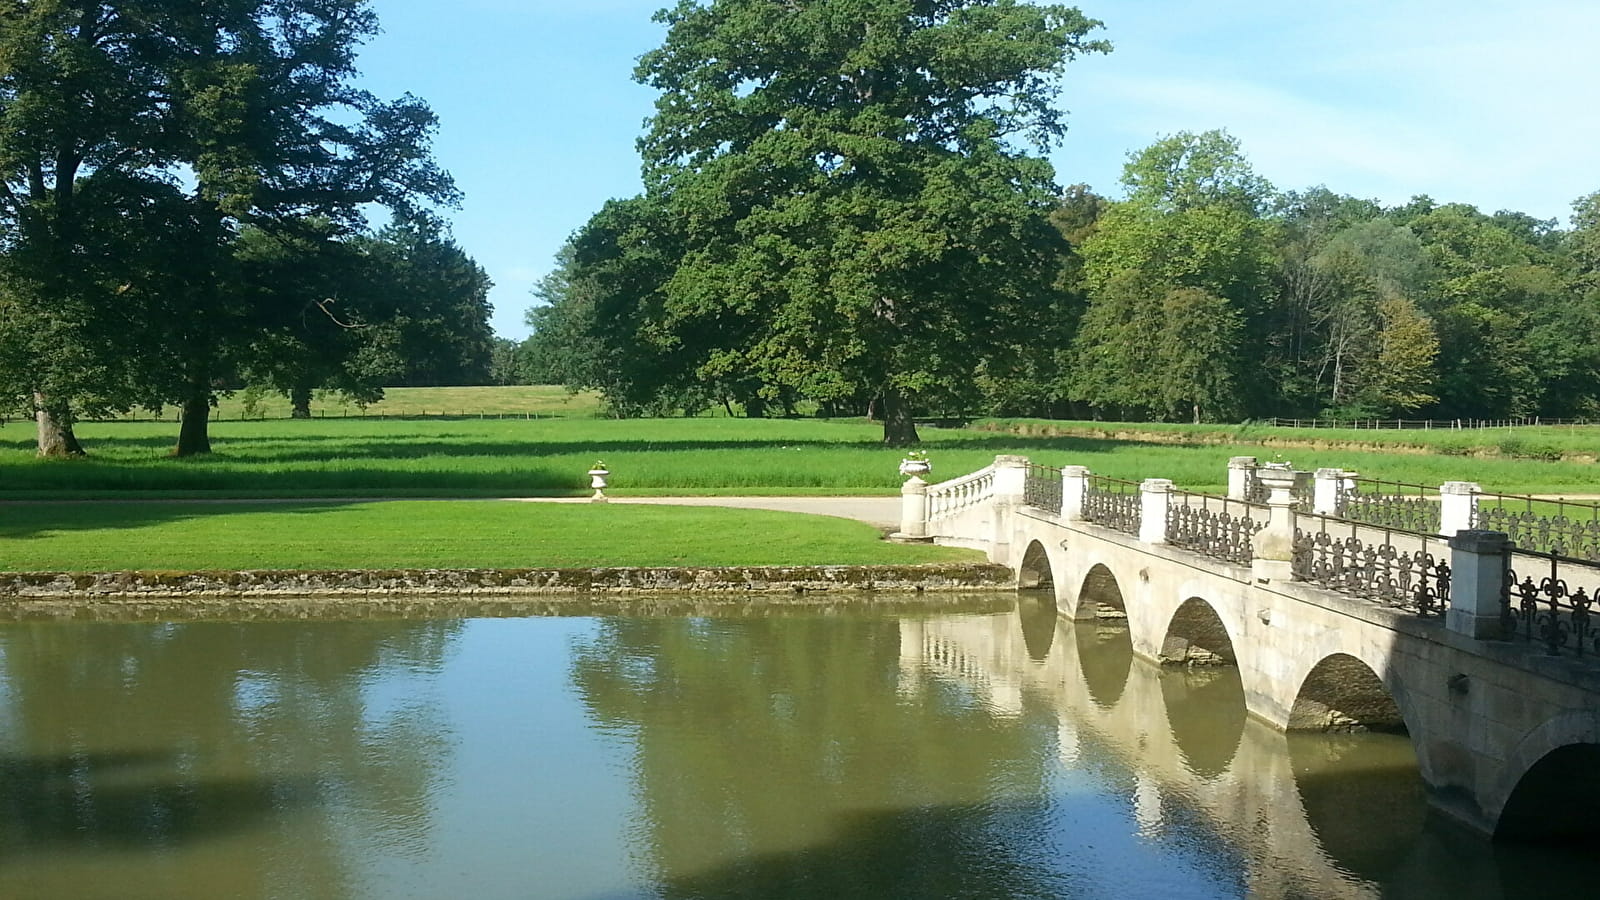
<point>1407,571</point>
<point>1113,503</point>
<point>1394,505</point>
<point>1561,527</point>
<point>950,497</point>
<point>1225,532</point>
<point>1304,492</point>
<point>1255,491</point>
<point>1042,488</point>
<point>1549,611</point>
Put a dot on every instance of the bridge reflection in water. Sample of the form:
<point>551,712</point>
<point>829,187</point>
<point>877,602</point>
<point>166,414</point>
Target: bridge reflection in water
<point>1300,814</point>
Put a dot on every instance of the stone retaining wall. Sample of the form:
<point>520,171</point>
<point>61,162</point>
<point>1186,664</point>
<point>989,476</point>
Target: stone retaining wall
<point>20,586</point>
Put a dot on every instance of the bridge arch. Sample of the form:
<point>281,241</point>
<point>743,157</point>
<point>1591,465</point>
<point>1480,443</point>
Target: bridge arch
<point>1552,783</point>
<point>1343,693</point>
<point>1196,635</point>
<point>1101,588</point>
<point>1035,570</point>
<point>1105,647</point>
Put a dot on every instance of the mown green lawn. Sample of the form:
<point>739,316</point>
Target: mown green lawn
<point>178,536</point>
<point>539,401</point>
<point>466,458</point>
<point>707,456</point>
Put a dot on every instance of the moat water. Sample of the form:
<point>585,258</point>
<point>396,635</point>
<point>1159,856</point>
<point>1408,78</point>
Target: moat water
<point>981,751</point>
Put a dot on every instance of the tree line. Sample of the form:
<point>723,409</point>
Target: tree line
<point>184,192</point>
<point>847,209</point>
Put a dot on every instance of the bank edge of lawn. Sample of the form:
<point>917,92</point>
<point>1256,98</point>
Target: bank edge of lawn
<point>463,534</point>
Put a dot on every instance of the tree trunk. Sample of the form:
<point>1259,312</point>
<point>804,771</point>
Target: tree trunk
<point>194,436</point>
<point>55,436</point>
<point>300,402</point>
<point>899,429</point>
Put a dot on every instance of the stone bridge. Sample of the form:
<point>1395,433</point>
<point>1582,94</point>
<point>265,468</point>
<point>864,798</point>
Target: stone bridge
<point>1506,732</point>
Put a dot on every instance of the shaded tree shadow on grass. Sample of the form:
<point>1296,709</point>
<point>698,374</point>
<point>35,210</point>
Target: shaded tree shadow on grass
<point>36,521</point>
<point>129,800</point>
<point>323,449</point>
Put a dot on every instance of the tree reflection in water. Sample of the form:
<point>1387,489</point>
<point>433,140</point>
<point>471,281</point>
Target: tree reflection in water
<point>779,757</point>
<point>233,756</point>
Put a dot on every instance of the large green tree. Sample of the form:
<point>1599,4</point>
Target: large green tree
<point>209,117</point>
<point>80,120</point>
<point>1178,275</point>
<point>268,121</point>
<point>428,308</point>
<point>855,215</point>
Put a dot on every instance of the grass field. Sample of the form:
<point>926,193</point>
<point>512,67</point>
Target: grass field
<point>467,458</point>
<point>1579,443</point>
<point>339,458</point>
<point>516,401</point>
<point>168,536</point>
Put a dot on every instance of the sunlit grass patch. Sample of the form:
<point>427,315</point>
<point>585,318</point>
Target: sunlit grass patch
<point>176,536</point>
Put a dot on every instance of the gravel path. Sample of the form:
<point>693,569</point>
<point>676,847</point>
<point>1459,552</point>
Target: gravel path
<point>880,512</point>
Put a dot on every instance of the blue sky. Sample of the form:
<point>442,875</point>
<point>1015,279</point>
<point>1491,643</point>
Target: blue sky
<point>1489,102</point>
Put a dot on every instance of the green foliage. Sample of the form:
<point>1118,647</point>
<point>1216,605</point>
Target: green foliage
<point>835,209</point>
<point>429,303</point>
<point>102,107</point>
<point>1176,277</point>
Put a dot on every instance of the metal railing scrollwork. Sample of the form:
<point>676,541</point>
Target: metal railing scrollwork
<point>1405,571</point>
<point>1113,503</point>
<point>1042,488</point>
<point>1255,491</point>
<point>1393,505</point>
<point>1548,611</point>
<point>1562,527</point>
<point>1226,532</point>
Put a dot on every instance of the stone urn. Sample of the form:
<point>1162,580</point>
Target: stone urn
<point>597,480</point>
<point>915,468</point>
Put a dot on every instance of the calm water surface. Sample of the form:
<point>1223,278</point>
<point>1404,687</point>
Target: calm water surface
<point>805,754</point>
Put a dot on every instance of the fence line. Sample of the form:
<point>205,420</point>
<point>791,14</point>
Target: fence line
<point>337,413</point>
<point>1113,503</point>
<point>1042,488</point>
<point>1423,424</point>
<point>1549,611</point>
<point>1411,577</point>
<point>1227,533</point>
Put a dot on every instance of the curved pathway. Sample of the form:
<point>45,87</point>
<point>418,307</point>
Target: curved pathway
<point>880,512</point>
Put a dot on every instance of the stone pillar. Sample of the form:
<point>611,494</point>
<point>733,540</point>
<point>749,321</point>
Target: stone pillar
<point>1074,485</point>
<point>913,511</point>
<point>1458,506</point>
<point>1010,484</point>
<point>1155,496</point>
<point>1274,545</point>
<point>1239,470</point>
<point>1326,491</point>
<point>1477,581</point>
<point>1010,477</point>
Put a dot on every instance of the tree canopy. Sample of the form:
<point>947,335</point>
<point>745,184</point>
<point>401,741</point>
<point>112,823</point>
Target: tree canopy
<point>841,182</point>
<point>155,157</point>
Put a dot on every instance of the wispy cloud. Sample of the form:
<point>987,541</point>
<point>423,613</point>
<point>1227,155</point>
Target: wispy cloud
<point>1481,103</point>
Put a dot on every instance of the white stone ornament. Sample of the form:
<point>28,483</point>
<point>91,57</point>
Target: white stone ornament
<point>915,468</point>
<point>597,480</point>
